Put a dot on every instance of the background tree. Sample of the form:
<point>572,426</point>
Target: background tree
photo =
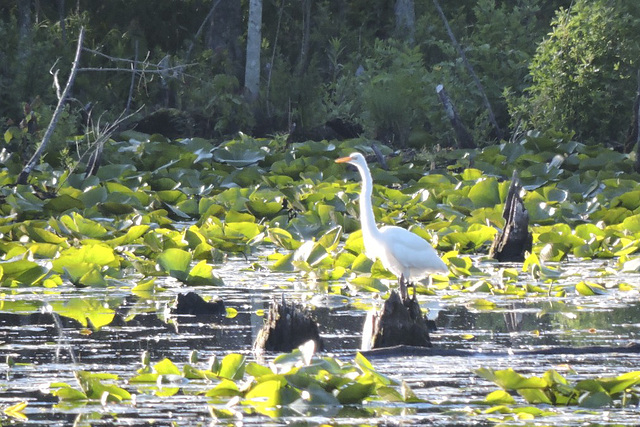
<point>330,62</point>
<point>254,42</point>
<point>584,73</point>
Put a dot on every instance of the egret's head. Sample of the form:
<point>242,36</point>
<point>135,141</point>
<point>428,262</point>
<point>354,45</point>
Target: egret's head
<point>355,159</point>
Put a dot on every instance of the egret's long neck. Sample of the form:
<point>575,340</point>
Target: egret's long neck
<point>367,219</point>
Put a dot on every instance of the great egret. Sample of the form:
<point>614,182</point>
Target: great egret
<point>402,252</point>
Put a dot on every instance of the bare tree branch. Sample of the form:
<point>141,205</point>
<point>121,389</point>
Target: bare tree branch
<point>133,77</point>
<point>467,64</point>
<point>26,171</point>
<point>204,22</point>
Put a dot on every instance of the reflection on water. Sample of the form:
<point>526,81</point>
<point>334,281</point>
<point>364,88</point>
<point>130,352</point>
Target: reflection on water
<point>49,346</point>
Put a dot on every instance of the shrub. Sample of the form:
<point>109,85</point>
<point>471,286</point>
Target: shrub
<point>583,74</point>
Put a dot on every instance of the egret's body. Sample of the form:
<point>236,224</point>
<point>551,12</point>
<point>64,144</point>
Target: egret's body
<point>400,251</point>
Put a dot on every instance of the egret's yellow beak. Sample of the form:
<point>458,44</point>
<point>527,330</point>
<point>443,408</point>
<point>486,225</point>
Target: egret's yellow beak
<point>343,159</point>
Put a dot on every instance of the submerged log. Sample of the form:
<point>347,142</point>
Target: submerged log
<point>405,350</point>
<point>397,323</point>
<point>287,327</point>
<point>193,304</point>
<point>515,240</point>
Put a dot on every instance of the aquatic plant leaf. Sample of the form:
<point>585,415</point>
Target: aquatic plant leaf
<point>264,395</point>
<point>621,382</point>
<point>145,288</point>
<point>112,172</point>
<point>310,252</point>
<point>63,203</point>
<point>264,209</point>
<point>238,155</point>
<point>283,238</point>
<point>92,254</point>
<point>256,370</point>
<point>202,274</point>
<point>369,284</point>
<point>166,367</point>
<point>313,148</point>
<point>315,398</point>
<point>483,304</point>
<point>85,310</point>
<point>147,377</point>
<point>331,239</point>
<point>535,396</point>
<point>23,272</point>
<point>499,397</point>
<point>283,262</point>
<point>246,229</point>
<point>355,393</point>
<point>176,262</point>
<point>225,388</point>
<point>83,226</point>
<point>476,236</point>
<point>485,193</point>
<point>15,410</point>
<point>596,399</point>
<point>24,201</point>
<point>509,379</point>
<point>68,393</point>
<point>133,233</point>
<point>84,274</point>
<point>590,288</point>
<point>232,366</point>
<point>39,234</point>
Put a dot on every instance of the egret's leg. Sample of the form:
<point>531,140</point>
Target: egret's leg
<point>403,288</point>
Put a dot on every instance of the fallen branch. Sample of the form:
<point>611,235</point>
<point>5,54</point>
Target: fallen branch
<point>463,137</point>
<point>26,171</point>
<point>467,64</point>
<point>407,350</point>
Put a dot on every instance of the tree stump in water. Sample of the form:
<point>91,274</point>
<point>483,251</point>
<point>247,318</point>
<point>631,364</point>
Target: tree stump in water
<point>287,327</point>
<point>512,243</point>
<point>193,304</point>
<point>397,323</point>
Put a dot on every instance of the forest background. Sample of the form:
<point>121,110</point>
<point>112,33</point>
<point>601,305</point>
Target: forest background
<point>326,69</point>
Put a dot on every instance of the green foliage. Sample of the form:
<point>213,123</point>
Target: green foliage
<point>554,389</point>
<point>298,379</point>
<point>583,73</point>
<point>393,92</point>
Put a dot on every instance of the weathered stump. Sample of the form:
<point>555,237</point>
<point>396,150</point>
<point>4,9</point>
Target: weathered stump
<point>397,323</point>
<point>287,327</point>
<point>193,304</point>
<point>515,240</point>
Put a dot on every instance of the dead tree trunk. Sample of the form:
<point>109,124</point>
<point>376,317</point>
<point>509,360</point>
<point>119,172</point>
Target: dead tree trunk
<point>463,137</point>
<point>287,327</point>
<point>405,20</point>
<point>515,240</point>
<point>26,171</point>
<point>303,60</point>
<point>467,64</point>
<point>634,132</point>
<point>254,40</point>
<point>398,323</point>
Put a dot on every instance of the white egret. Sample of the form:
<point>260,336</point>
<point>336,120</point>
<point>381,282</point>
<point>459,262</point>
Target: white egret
<point>400,251</point>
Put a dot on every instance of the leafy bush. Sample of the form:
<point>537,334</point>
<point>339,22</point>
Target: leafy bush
<point>393,91</point>
<point>583,73</point>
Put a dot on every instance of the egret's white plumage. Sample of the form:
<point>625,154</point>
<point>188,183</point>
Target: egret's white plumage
<point>400,251</point>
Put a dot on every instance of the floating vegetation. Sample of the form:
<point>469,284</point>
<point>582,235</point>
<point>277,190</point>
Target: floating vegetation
<point>109,252</point>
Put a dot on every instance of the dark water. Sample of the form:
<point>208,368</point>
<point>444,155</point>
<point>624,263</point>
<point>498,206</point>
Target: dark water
<point>49,348</point>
